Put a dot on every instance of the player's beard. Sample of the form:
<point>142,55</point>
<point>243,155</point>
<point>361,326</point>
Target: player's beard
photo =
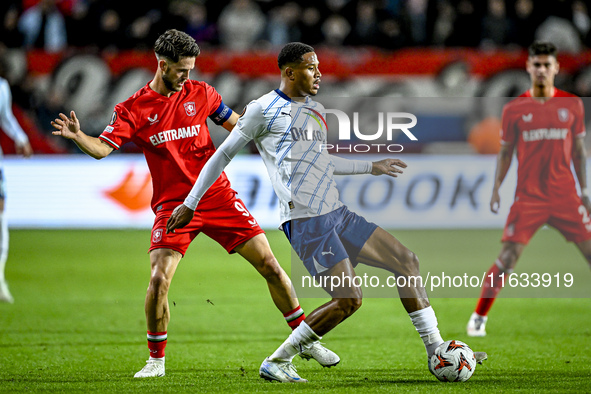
<point>170,85</point>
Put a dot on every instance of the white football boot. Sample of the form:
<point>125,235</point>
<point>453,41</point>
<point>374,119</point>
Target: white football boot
<point>480,357</point>
<point>476,325</point>
<point>154,367</point>
<point>325,357</point>
<point>280,371</point>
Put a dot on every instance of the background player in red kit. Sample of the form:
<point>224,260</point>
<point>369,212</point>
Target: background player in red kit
<point>167,119</point>
<point>546,127</point>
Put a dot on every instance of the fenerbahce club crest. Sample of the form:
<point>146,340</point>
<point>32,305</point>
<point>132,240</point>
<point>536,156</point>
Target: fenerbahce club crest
<point>190,108</point>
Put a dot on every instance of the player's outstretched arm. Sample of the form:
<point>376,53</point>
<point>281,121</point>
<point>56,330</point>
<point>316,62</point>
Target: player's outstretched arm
<point>9,123</point>
<point>390,167</point>
<point>231,122</point>
<point>183,214</point>
<point>24,149</point>
<point>503,163</point>
<point>580,164</point>
<point>69,128</point>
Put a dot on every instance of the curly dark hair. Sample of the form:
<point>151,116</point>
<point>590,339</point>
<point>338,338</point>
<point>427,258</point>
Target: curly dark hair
<point>542,48</point>
<point>174,44</point>
<point>292,53</point>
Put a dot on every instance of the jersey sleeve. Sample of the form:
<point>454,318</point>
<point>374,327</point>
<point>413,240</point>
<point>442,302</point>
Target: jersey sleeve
<point>579,121</point>
<point>508,128</point>
<point>252,122</point>
<point>120,128</point>
<point>218,112</point>
<point>7,120</point>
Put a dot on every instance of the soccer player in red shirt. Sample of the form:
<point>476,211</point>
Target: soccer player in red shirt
<point>545,126</point>
<point>167,119</point>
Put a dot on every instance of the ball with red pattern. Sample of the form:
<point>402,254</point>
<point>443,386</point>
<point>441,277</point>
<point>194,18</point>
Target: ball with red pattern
<point>453,361</point>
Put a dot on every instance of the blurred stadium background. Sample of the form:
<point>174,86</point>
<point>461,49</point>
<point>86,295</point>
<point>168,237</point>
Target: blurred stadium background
<point>88,55</point>
<point>77,323</point>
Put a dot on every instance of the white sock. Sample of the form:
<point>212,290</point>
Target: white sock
<point>301,338</point>
<point>3,244</point>
<point>425,322</point>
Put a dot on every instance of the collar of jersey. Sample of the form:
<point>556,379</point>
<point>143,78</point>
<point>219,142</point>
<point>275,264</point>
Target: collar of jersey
<point>285,96</point>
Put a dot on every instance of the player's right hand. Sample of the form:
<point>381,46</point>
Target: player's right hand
<point>495,202</point>
<point>181,216</point>
<point>66,127</point>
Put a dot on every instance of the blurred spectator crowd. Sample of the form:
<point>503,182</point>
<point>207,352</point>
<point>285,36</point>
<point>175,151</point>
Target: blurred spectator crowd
<point>246,24</point>
<point>109,26</point>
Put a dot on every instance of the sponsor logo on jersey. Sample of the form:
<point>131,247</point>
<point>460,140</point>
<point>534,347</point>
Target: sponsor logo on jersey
<point>154,119</point>
<point>190,108</point>
<point>527,118</point>
<point>109,129</point>
<point>113,118</point>
<point>544,134</point>
<point>563,114</point>
<point>175,134</point>
<point>298,134</point>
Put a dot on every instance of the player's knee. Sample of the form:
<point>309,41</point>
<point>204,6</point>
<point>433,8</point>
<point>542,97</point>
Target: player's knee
<point>159,284</point>
<point>507,259</point>
<point>349,305</point>
<point>411,263</point>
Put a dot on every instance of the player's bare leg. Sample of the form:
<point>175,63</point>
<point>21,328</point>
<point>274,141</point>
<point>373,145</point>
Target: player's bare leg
<point>585,248</point>
<point>258,252</point>
<point>504,265</point>
<point>345,301</point>
<point>163,266</point>
<point>164,263</point>
<point>5,295</point>
<point>383,250</point>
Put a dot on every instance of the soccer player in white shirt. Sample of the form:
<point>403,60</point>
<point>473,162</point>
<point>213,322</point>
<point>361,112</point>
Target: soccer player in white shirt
<point>289,131</point>
<point>9,124</point>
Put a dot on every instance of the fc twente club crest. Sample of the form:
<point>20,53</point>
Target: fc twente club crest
<point>190,108</point>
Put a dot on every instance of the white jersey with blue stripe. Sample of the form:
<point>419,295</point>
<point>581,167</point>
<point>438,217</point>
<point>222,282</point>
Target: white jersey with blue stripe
<point>291,139</point>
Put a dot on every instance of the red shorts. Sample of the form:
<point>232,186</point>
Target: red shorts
<point>567,215</point>
<point>227,222</point>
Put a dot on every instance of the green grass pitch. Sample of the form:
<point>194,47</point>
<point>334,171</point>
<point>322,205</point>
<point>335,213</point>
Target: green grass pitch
<point>78,323</point>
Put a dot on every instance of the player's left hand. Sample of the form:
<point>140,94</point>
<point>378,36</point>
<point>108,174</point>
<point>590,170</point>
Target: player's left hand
<point>388,167</point>
<point>181,216</point>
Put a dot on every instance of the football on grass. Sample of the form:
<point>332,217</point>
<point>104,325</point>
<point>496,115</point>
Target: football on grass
<point>453,361</point>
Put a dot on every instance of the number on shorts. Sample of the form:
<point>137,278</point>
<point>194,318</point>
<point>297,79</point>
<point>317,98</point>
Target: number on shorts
<point>245,212</point>
<point>241,208</point>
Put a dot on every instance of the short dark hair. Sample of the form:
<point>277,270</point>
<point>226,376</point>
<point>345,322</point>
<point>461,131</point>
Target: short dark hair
<point>542,48</point>
<point>293,53</point>
<point>174,44</point>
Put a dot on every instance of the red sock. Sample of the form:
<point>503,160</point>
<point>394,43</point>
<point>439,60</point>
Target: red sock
<point>295,317</point>
<point>157,343</point>
<point>489,293</point>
